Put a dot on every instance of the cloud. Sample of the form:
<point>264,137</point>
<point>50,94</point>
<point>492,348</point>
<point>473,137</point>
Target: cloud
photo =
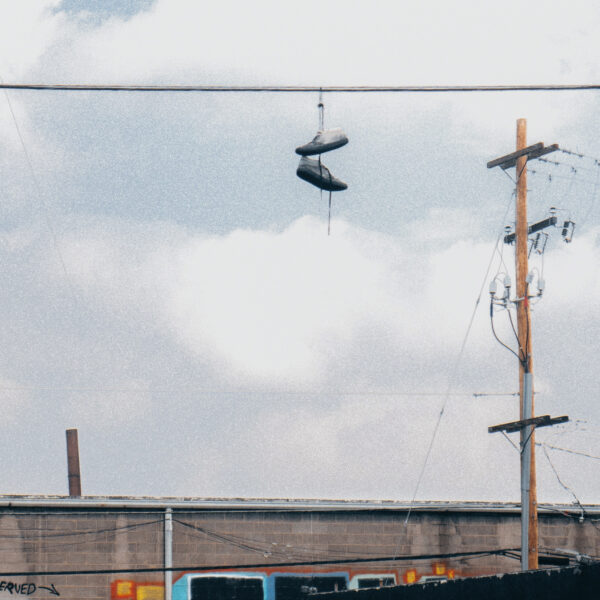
<point>278,305</point>
<point>27,30</point>
<point>431,42</point>
<point>288,305</point>
<point>284,355</point>
<point>204,327</point>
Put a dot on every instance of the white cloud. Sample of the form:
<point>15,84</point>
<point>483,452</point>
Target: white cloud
<point>261,307</point>
<point>281,305</point>
<point>27,29</point>
<point>285,305</point>
<point>423,43</point>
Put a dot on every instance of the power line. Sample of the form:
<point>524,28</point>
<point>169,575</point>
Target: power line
<point>62,87</point>
<point>267,547</point>
<point>199,569</point>
<point>40,195</point>
<point>569,451</point>
<point>44,534</point>
<point>224,392</point>
<point>453,373</point>
<point>564,485</point>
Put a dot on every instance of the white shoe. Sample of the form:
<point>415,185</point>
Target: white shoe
<point>328,139</point>
<point>315,172</point>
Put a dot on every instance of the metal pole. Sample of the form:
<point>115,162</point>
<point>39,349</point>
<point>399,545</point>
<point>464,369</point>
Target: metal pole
<point>529,500</point>
<point>526,471</point>
<point>168,553</point>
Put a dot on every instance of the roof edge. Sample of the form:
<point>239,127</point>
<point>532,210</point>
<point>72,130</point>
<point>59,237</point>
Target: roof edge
<point>274,504</point>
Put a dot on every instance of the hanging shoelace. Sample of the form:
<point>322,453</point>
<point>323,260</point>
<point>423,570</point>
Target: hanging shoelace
<point>321,108</point>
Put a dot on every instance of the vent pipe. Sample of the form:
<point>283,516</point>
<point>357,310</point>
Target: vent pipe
<point>73,463</point>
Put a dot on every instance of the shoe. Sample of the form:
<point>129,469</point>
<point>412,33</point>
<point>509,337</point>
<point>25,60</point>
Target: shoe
<point>318,174</point>
<point>328,139</point>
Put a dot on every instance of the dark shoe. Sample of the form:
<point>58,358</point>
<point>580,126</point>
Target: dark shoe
<point>315,172</point>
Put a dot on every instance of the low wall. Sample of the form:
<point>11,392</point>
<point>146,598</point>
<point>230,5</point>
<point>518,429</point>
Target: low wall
<point>79,541</point>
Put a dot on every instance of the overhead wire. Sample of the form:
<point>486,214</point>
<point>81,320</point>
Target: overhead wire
<point>58,87</point>
<point>579,155</point>
<point>568,450</point>
<point>39,193</point>
<point>266,546</point>
<point>46,534</point>
<point>452,376</point>
<point>222,392</point>
<point>519,358</point>
<point>269,565</point>
<point>560,481</point>
<point>584,219</point>
<point>94,537</point>
<point>558,176</point>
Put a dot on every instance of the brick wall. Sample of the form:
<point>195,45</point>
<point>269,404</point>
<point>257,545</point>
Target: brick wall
<point>104,537</point>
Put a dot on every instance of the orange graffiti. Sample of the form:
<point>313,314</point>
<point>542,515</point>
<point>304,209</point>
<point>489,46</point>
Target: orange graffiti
<point>132,590</point>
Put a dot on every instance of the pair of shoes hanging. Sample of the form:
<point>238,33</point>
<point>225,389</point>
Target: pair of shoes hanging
<point>312,170</point>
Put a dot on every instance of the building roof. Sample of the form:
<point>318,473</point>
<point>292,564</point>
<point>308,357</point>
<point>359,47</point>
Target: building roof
<point>275,504</point>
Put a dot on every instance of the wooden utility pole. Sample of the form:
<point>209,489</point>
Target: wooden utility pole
<point>528,422</point>
<point>528,474</point>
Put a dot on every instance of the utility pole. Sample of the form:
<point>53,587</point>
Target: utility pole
<point>528,474</point>
<point>527,422</point>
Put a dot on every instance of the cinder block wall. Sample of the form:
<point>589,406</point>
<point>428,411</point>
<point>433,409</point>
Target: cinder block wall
<point>98,538</point>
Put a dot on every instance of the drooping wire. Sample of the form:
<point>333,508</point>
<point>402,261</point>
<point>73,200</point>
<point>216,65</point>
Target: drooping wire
<point>584,454</point>
<point>566,487</point>
<point>40,197</point>
<point>519,358</point>
<point>554,176</point>
<point>578,154</point>
<point>512,324</point>
<point>452,376</point>
<point>95,536</point>
<point>246,566</point>
<point>594,195</point>
<point>43,533</point>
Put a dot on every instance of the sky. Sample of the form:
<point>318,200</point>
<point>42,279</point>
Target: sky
<point>169,288</point>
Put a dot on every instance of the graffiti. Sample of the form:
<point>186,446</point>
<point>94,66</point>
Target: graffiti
<point>132,590</point>
<point>26,589</point>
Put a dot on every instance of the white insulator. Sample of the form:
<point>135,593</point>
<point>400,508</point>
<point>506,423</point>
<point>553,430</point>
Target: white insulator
<point>541,285</point>
<point>507,282</point>
<point>493,287</point>
<point>529,277</point>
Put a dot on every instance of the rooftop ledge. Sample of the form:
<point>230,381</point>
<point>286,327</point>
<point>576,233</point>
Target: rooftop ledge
<point>151,503</point>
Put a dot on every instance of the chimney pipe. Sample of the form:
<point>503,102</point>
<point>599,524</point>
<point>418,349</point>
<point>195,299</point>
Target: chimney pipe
<point>73,463</point>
